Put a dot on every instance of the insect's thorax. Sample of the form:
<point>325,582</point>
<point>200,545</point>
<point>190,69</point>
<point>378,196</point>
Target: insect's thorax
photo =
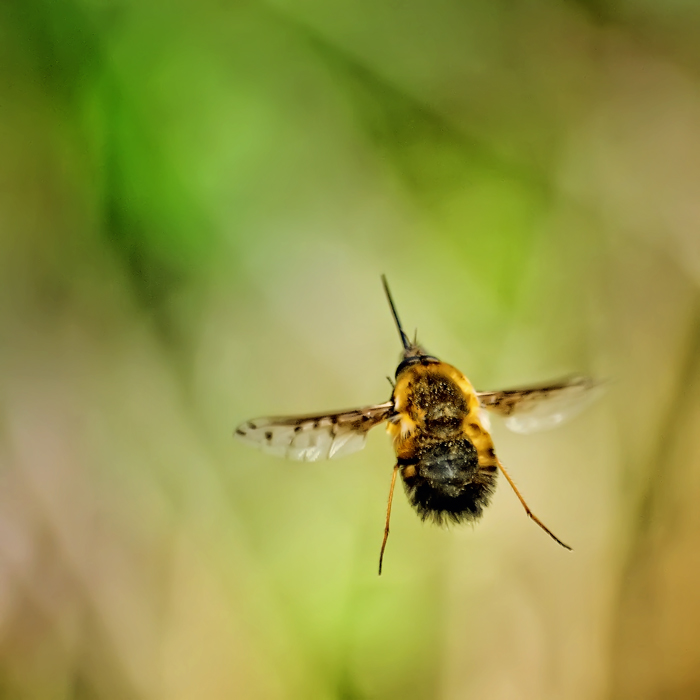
<point>435,402</point>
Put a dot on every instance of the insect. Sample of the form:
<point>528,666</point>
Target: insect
<point>444,451</point>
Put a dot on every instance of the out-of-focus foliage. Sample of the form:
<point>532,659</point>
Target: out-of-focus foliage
<point>197,200</point>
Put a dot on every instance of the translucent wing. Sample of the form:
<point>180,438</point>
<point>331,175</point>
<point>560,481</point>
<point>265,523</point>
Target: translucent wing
<point>543,407</point>
<point>314,437</point>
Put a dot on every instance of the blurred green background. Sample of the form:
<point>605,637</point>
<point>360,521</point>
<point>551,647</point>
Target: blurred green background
<point>197,200</point>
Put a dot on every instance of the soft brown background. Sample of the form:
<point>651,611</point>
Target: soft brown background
<point>197,200</point>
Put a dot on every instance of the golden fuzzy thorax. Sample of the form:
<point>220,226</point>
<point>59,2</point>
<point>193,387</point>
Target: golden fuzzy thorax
<point>435,400</point>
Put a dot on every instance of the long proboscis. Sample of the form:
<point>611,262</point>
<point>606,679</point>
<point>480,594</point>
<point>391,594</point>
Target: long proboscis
<point>404,337</point>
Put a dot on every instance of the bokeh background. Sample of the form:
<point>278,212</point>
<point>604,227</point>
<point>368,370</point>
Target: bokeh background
<point>197,200</point>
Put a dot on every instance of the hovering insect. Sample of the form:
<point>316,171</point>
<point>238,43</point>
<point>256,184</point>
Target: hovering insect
<point>444,452</point>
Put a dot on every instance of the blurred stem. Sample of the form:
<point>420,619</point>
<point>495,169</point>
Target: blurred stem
<point>633,625</point>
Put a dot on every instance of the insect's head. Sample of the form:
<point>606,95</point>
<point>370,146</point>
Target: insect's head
<point>412,352</point>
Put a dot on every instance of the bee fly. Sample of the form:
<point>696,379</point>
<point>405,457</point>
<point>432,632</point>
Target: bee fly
<point>444,452</point>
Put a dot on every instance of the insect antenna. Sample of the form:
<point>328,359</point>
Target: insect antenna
<point>530,514</point>
<point>404,337</point>
<point>388,517</point>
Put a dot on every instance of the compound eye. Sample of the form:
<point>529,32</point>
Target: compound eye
<point>408,362</point>
<point>415,360</point>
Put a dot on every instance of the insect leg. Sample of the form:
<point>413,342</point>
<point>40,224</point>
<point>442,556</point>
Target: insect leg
<point>388,516</point>
<point>530,514</point>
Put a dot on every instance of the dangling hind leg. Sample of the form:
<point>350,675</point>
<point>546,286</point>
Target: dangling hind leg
<point>530,514</point>
<point>388,517</point>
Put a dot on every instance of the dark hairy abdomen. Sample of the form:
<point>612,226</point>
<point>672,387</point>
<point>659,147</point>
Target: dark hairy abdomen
<point>446,482</point>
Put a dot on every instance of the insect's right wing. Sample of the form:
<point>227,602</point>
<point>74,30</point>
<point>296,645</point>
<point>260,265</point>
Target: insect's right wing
<point>542,407</point>
<point>313,437</point>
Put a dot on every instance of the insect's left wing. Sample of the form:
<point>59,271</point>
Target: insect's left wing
<point>542,407</point>
<point>314,437</point>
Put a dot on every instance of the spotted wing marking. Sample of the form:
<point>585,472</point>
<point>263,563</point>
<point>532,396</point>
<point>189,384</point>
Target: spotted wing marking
<point>543,407</point>
<point>314,437</point>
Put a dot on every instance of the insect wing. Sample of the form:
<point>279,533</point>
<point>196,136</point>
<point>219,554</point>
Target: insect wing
<point>313,437</point>
<point>543,407</point>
